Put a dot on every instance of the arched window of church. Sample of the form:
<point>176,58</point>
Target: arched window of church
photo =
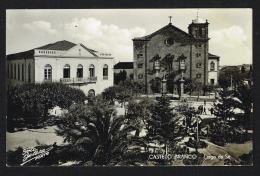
<point>105,71</point>
<point>47,72</point>
<point>91,70</point>
<point>79,71</point>
<point>200,32</point>
<point>212,66</point>
<point>66,71</point>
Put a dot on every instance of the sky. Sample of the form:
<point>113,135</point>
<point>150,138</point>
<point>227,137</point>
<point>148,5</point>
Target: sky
<point>112,30</point>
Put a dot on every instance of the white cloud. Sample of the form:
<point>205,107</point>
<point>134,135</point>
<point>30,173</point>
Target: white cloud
<point>104,38</point>
<point>230,37</point>
<point>10,25</point>
<point>232,45</point>
<point>40,25</point>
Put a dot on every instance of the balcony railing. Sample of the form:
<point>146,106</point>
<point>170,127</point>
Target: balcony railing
<point>78,80</point>
<point>105,77</point>
<point>47,80</point>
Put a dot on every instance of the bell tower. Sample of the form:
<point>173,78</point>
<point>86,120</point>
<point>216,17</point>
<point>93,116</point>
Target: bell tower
<point>199,48</point>
<point>198,28</point>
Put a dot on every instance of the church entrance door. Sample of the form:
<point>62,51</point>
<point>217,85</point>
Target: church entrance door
<point>170,86</point>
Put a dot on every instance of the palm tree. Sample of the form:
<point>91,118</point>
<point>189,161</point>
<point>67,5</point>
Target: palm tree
<point>96,130</point>
<point>244,95</point>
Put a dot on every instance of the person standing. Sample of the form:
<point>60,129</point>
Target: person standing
<point>205,111</point>
<point>211,110</point>
<point>205,103</point>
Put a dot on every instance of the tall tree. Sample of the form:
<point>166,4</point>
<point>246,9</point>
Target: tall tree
<point>225,106</point>
<point>121,76</point>
<point>188,112</point>
<point>140,113</point>
<point>190,85</point>
<point>207,88</point>
<point>163,126</point>
<point>156,85</point>
<point>224,109</point>
<point>41,97</point>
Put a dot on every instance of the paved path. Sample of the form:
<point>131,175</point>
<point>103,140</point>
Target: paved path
<point>213,151</point>
<point>27,138</point>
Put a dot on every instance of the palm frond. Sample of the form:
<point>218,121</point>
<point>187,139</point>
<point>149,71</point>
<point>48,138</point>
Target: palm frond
<point>84,140</point>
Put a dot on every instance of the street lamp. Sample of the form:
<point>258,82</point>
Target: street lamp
<point>164,91</point>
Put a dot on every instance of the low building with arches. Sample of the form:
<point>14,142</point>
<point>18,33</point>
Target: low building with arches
<point>62,61</point>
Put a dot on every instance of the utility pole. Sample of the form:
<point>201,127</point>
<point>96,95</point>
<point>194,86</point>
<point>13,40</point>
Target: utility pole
<point>197,129</point>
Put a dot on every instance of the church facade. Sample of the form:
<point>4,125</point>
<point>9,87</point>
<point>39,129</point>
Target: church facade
<point>176,55</point>
<point>62,61</point>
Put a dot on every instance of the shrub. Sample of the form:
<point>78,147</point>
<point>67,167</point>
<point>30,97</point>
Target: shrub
<point>34,100</point>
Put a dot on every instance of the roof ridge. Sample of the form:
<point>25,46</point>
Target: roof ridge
<point>158,31</point>
<point>90,50</point>
<point>213,55</point>
<point>59,45</point>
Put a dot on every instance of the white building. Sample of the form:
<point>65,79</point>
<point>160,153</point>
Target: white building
<point>213,69</point>
<point>63,61</point>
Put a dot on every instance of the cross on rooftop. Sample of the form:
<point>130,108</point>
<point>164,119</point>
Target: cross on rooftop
<point>170,19</point>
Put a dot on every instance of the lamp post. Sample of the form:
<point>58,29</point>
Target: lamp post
<point>164,91</point>
<point>197,128</point>
<point>197,134</point>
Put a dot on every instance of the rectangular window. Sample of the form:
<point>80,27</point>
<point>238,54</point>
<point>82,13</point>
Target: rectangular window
<point>140,76</point>
<point>47,74</point>
<point>198,75</point>
<point>140,65</point>
<point>141,55</point>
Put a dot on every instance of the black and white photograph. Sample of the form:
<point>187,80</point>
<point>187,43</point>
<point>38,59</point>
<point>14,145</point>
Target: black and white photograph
<point>129,87</point>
